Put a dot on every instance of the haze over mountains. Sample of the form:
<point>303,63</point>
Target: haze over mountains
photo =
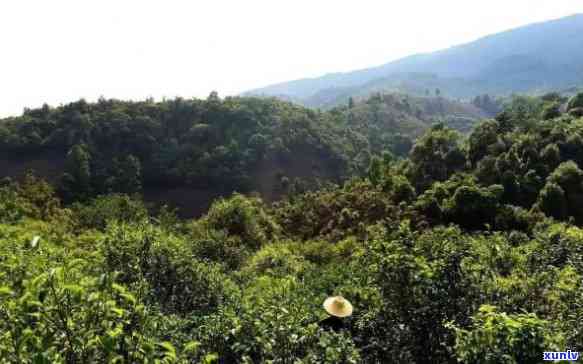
<point>534,58</point>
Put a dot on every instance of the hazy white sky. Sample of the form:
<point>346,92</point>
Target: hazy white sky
<point>58,51</point>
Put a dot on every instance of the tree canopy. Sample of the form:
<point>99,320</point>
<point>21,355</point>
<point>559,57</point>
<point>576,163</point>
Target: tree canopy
<point>467,249</point>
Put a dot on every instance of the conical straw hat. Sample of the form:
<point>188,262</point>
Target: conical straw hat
<point>338,306</point>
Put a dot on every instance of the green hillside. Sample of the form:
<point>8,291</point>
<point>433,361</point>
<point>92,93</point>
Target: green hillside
<point>188,152</point>
<point>468,250</point>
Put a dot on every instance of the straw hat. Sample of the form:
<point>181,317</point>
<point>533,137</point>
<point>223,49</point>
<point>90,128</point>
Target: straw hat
<point>338,306</point>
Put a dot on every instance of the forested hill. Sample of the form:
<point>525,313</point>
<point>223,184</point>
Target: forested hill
<point>187,152</point>
<point>467,251</point>
<point>534,58</point>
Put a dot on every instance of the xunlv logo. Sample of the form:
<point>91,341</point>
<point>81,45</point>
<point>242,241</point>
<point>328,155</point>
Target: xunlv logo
<point>560,355</point>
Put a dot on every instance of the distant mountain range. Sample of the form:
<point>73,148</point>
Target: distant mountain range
<point>534,58</point>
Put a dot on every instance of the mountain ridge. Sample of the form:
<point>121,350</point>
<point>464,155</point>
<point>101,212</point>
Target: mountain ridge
<point>554,47</point>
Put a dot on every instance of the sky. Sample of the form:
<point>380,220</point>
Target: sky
<point>59,51</point>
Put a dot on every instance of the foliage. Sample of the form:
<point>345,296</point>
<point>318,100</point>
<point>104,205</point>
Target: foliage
<point>33,198</point>
<point>500,338</point>
<point>98,212</point>
<point>563,194</point>
<point>244,218</point>
<point>65,316</point>
<point>575,102</point>
<point>217,144</point>
<point>422,281</point>
<point>76,180</point>
<point>335,212</point>
<point>177,281</point>
<point>435,157</point>
<point>470,250</point>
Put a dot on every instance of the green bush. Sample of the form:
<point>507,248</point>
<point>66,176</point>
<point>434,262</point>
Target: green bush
<point>175,279</point>
<point>102,210</point>
<point>422,283</point>
<point>32,197</point>
<point>66,316</point>
<point>575,102</point>
<point>242,217</point>
<point>275,323</point>
<point>496,337</point>
<point>218,247</point>
<point>276,260</point>
<point>551,111</point>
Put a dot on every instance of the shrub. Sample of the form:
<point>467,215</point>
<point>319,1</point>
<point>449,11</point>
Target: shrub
<point>66,316</point>
<point>176,280</point>
<point>575,102</point>
<point>335,212</point>
<point>473,207</point>
<point>551,111</point>
<point>33,198</point>
<point>496,337</point>
<point>243,217</point>
<point>552,201</point>
<point>110,208</point>
<point>422,284</point>
<point>276,260</point>
<point>218,247</point>
<point>275,323</point>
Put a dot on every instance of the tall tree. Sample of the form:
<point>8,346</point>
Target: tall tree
<point>76,180</point>
<point>128,175</point>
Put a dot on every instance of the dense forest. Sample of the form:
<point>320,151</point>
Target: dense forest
<point>215,146</point>
<point>451,247</point>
